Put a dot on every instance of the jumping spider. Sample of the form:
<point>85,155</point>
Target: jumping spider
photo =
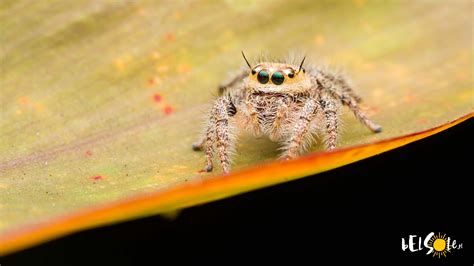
<point>286,102</point>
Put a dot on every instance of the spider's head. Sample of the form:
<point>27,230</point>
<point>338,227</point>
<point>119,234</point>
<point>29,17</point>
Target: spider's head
<point>278,77</point>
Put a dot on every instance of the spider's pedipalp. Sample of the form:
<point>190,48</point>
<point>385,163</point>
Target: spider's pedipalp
<point>281,113</point>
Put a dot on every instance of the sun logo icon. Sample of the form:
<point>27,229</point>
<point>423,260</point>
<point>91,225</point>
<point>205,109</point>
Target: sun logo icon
<point>438,243</point>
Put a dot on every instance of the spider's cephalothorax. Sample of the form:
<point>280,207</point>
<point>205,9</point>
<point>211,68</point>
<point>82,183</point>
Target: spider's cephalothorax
<point>286,102</point>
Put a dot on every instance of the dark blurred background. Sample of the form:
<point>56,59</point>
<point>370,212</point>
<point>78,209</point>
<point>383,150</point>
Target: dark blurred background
<point>353,214</point>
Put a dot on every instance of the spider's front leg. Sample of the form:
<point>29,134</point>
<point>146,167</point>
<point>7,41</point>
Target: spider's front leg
<point>301,128</point>
<point>232,84</point>
<point>218,133</point>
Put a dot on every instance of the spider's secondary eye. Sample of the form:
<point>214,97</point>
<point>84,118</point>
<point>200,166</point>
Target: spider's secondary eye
<point>263,76</point>
<point>291,75</point>
<point>254,72</point>
<point>278,78</point>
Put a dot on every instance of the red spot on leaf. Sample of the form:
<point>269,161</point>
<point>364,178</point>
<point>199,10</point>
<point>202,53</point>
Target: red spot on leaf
<point>24,100</point>
<point>409,98</point>
<point>97,177</point>
<point>157,97</point>
<point>169,36</point>
<point>168,110</point>
<point>88,153</point>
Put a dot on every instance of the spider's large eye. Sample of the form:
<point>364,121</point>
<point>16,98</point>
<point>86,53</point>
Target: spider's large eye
<point>263,76</point>
<point>278,78</point>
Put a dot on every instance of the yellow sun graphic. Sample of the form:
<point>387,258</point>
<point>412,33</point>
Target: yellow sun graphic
<point>438,242</point>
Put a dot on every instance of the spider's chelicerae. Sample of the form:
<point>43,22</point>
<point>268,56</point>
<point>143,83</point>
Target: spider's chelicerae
<point>286,102</point>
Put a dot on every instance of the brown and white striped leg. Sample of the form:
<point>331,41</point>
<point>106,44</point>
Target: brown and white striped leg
<point>210,139</point>
<point>330,115</point>
<point>222,133</point>
<point>342,92</point>
<point>218,132</point>
<point>351,103</point>
<point>301,128</point>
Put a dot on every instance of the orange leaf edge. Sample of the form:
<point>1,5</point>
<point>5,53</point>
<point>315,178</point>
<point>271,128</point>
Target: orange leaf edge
<point>202,191</point>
